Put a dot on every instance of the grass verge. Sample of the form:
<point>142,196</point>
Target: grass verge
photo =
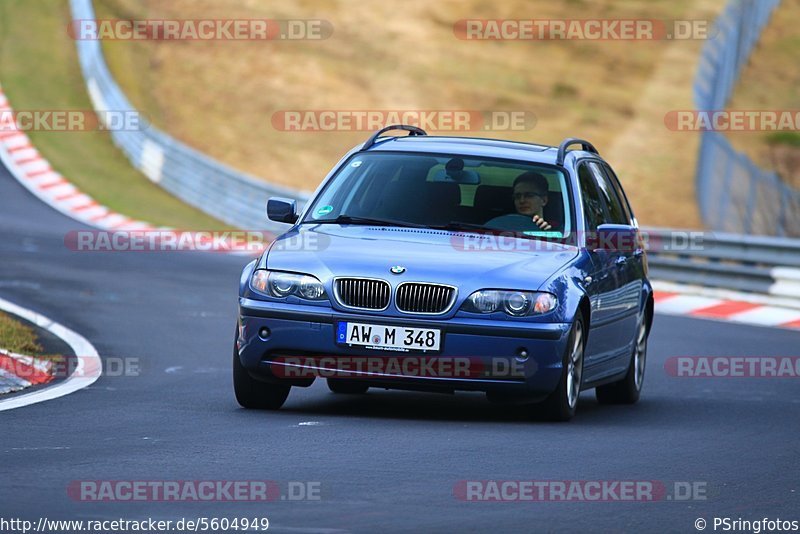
<point>39,71</point>
<point>20,338</point>
<point>17,337</point>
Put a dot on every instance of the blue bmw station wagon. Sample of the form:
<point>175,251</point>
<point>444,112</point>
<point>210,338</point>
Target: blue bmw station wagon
<point>448,264</point>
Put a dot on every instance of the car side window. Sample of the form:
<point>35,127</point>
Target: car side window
<point>615,212</point>
<point>612,177</point>
<point>592,205</point>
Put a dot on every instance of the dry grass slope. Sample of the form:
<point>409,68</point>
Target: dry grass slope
<point>219,96</point>
<point>771,81</point>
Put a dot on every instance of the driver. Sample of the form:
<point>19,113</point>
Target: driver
<point>530,197</point>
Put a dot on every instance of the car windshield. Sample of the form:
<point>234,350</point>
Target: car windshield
<point>446,191</point>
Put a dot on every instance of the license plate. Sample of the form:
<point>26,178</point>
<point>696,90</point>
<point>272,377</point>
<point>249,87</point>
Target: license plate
<point>401,338</point>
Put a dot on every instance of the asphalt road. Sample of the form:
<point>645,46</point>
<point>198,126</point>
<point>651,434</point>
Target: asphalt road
<point>386,461</point>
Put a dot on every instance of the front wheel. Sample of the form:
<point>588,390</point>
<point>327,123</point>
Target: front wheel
<point>250,393</point>
<point>627,390</point>
<point>561,404</point>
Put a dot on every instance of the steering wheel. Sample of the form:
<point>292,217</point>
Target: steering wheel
<point>525,221</point>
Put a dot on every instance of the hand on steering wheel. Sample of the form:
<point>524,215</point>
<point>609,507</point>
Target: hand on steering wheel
<point>538,221</point>
<point>541,223</point>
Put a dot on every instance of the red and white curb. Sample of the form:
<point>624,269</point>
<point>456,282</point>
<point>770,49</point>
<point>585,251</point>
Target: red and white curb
<point>738,310</point>
<point>18,372</point>
<point>34,172</point>
<point>86,372</point>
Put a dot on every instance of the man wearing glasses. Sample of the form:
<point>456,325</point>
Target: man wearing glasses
<point>530,197</point>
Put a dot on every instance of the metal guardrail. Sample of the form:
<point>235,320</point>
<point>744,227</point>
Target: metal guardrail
<point>733,193</point>
<point>215,188</point>
<point>767,265</point>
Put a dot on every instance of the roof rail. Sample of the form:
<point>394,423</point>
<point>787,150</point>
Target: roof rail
<point>412,131</point>
<point>566,143</point>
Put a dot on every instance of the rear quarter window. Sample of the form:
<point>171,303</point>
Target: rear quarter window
<point>615,213</point>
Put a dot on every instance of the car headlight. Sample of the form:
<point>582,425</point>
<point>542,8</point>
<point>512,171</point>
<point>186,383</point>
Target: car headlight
<point>280,285</point>
<point>514,303</point>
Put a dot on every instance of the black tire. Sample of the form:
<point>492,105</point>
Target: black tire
<point>628,390</point>
<point>347,386</point>
<point>558,406</point>
<point>253,394</point>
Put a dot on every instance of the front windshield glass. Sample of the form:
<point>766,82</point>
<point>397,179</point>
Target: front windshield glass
<point>467,193</point>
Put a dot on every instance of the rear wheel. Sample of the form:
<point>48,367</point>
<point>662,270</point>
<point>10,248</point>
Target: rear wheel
<point>251,393</point>
<point>561,404</point>
<point>627,390</point>
<point>346,386</point>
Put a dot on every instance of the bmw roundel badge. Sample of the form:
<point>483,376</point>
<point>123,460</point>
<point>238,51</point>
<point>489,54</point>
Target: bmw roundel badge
<point>397,269</point>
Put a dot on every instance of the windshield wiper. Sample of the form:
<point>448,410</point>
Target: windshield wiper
<point>350,219</point>
<point>479,228</point>
<point>458,225</point>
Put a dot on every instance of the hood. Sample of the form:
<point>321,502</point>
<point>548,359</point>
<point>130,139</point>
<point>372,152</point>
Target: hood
<point>468,260</point>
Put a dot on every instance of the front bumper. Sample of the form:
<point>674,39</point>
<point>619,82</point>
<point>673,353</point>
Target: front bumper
<point>476,354</point>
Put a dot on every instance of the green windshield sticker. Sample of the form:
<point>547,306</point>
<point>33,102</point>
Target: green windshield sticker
<point>324,210</point>
<point>539,233</point>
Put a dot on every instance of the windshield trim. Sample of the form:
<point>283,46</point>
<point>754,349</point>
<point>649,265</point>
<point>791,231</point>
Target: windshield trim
<point>570,201</point>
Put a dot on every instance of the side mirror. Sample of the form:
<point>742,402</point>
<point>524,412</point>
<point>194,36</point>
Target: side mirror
<point>282,210</point>
<point>614,237</point>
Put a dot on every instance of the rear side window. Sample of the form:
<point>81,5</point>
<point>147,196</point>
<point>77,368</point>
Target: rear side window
<point>620,193</point>
<point>615,213</point>
<point>592,205</point>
